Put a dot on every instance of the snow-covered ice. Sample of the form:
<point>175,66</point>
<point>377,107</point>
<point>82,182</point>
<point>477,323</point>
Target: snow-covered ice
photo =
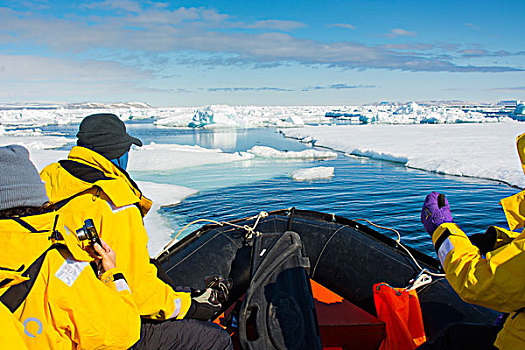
<point>310,174</point>
<point>269,152</point>
<point>163,157</point>
<point>158,228</point>
<point>486,151</point>
<point>224,116</point>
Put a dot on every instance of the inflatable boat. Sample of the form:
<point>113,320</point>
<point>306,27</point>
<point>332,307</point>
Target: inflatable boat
<point>275,258</point>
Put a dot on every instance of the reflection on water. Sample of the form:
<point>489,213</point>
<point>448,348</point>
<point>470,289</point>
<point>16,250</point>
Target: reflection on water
<point>222,140</point>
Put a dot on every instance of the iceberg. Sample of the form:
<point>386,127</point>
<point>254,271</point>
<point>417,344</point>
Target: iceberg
<point>215,116</point>
<point>518,113</point>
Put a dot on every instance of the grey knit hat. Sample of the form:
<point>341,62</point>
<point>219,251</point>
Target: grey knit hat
<point>20,183</point>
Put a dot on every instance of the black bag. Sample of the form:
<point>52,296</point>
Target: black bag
<point>278,309</point>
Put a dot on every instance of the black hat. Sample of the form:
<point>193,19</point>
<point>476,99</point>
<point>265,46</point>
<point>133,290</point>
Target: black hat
<point>105,134</point>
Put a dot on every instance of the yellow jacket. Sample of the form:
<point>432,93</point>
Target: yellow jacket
<point>103,192</point>
<point>12,330</point>
<point>67,306</point>
<point>496,281</point>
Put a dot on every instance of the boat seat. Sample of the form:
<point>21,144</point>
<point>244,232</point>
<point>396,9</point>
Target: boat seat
<point>344,325</point>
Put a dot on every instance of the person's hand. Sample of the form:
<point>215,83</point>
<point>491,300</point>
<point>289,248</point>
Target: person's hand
<point>435,212</point>
<point>220,287</point>
<point>104,257</point>
<point>206,303</point>
<point>485,241</point>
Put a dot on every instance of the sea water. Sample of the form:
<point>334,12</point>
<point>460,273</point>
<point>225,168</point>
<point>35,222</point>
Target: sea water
<point>385,193</point>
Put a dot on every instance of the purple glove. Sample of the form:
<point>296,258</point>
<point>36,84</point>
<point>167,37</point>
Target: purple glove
<point>435,212</point>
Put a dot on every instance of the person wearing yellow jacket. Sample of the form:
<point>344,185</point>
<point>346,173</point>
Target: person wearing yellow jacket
<point>47,281</point>
<point>484,269</point>
<point>12,330</point>
<point>93,182</point>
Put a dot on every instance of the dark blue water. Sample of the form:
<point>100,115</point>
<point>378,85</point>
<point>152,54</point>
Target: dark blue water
<point>386,193</point>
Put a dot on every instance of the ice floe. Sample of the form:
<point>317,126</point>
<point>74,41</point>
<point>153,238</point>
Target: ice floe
<point>486,151</point>
<point>310,174</point>
<point>162,157</point>
<point>269,152</point>
<point>158,228</point>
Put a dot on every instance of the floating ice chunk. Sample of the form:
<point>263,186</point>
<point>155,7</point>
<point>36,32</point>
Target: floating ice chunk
<point>268,152</point>
<point>179,117</point>
<point>310,174</point>
<point>162,157</point>
<point>25,132</point>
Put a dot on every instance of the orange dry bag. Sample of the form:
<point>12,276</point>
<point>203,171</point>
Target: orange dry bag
<point>399,309</point>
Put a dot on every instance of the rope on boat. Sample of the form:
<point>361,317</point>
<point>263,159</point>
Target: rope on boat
<point>250,230</point>
<point>324,247</point>
<point>398,241</point>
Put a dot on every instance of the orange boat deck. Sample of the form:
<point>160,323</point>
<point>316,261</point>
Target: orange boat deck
<point>342,325</point>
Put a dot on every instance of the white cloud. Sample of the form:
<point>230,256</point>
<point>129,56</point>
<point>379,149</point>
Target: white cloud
<point>36,68</point>
<point>126,5</point>
<point>32,77</point>
<point>400,32</point>
<point>342,25</point>
<point>157,30</point>
<point>473,26</point>
<point>271,24</point>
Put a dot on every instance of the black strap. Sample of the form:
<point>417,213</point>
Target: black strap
<point>61,203</point>
<point>6,281</point>
<point>15,295</point>
<point>82,171</point>
<point>89,174</point>
<point>27,226</point>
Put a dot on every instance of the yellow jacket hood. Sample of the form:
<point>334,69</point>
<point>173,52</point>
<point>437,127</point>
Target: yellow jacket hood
<point>514,206</point>
<point>85,169</point>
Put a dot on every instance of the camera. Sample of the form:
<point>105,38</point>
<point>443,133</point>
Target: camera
<point>88,233</point>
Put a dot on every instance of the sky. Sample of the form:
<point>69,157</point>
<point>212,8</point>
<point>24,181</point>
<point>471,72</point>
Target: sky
<point>195,53</point>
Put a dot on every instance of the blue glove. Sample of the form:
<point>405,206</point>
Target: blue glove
<point>435,212</point>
